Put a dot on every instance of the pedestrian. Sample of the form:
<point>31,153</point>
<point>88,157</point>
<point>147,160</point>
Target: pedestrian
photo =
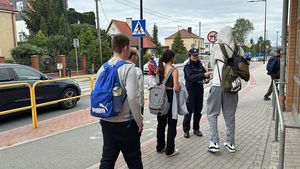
<point>152,67</point>
<point>218,98</point>
<point>195,76</point>
<point>132,59</point>
<point>122,132</point>
<point>165,65</point>
<point>274,71</point>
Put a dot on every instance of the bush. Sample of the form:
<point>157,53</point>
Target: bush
<point>22,54</point>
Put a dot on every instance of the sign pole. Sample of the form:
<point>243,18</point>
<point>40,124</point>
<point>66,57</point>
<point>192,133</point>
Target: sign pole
<point>141,54</point>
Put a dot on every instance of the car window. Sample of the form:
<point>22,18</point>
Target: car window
<point>5,75</point>
<point>27,74</point>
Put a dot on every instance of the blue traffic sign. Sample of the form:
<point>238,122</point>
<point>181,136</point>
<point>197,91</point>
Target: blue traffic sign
<point>138,28</point>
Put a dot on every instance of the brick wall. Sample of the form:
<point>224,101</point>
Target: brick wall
<point>291,53</point>
<point>2,59</point>
<point>35,62</point>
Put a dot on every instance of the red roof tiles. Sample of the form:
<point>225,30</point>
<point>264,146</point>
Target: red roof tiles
<point>7,6</point>
<point>124,28</point>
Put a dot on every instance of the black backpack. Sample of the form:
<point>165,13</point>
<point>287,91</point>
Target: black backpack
<point>272,65</point>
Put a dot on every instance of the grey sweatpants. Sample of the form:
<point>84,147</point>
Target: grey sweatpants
<point>216,100</point>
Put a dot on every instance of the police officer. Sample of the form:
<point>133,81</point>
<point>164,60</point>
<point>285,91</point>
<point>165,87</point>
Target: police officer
<point>195,76</point>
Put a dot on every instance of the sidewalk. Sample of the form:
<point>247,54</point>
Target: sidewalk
<point>254,139</point>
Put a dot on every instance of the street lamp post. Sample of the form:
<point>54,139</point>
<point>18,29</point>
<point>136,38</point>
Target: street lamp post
<point>265,26</point>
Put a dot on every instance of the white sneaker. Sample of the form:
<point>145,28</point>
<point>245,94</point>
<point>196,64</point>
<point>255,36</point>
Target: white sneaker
<point>213,147</point>
<point>230,147</point>
<point>174,153</point>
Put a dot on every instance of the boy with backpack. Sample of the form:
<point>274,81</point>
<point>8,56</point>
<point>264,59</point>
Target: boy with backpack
<point>273,69</point>
<point>224,92</point>
<point>121,120</point>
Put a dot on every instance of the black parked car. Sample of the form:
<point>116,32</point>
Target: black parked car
<point>16,97</point>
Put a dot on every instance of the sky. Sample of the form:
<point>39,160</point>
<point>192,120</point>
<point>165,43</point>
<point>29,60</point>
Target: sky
<point>169,15</point>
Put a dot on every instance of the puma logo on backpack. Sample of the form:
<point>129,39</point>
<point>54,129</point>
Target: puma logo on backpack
<point>107,98</point>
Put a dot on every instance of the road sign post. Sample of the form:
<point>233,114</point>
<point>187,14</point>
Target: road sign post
<point>212,36</point>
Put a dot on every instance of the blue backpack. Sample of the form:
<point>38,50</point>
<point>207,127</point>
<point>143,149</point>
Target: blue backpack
<point>271,66</point>
<point>107,97</point>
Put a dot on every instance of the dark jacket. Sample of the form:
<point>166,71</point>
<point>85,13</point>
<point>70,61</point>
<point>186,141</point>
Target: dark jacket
<point>194,75</point>
<point>276,75</point>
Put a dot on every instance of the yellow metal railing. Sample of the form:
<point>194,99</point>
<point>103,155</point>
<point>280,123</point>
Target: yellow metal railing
<point>32,90</point>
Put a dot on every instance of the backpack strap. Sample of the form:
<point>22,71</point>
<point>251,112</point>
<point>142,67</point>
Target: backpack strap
<point>168,75</point>
<point>222,46</point>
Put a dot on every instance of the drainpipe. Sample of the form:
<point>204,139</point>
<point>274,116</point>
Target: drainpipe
<point>283,53</point>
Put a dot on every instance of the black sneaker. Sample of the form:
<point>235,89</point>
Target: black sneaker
<point>186,134</point>
<point>198,133</point>
<point>266,98</point>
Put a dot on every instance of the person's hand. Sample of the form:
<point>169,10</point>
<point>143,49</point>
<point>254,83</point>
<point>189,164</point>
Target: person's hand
<point>206,81</point>
<point>207,74</point>
<point>177,87</point>
<point>141,127</point>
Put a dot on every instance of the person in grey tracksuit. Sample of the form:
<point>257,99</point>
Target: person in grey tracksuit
<point>218,99</point>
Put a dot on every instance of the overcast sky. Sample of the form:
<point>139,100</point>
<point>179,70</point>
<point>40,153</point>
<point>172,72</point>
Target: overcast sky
<point>169,14</point>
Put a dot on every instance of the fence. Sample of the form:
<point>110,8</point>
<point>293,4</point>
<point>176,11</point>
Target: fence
<point>32,90</point>
<point>279,120</point>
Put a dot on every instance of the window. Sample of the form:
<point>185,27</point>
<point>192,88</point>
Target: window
<point>19,5</point>
<point>27,74</point>
<point>5,75</point>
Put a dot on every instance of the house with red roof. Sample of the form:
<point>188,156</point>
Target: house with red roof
<point>190,39</point>
<point>117,26</point>
<point>8,39</point>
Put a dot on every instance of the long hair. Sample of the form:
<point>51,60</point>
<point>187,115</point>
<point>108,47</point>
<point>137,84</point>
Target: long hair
<point>166,57</point>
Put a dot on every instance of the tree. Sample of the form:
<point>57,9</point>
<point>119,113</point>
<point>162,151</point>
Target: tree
<point>158,49</point>
<point>43,26</point>
<point>241,29</point>
<point>178,45</point>
<point>62,25</point>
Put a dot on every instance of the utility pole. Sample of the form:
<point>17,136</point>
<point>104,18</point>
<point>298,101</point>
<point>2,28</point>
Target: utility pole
<point>277,40</point>
<point>199,37</point>
<point>265,31</point>
<point>99,32</point>
<point>68,69</point>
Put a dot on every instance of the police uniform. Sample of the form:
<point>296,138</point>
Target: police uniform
<point>194,79</point>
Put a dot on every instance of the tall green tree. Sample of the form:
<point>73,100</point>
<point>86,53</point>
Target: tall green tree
<point>62,25</point>
<point>158,49</point>
<point>178,45</point>
<point>43,26</point>
<point>241,30</point>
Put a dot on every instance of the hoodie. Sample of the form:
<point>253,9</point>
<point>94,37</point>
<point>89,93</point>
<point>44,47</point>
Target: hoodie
<point>224,36</point>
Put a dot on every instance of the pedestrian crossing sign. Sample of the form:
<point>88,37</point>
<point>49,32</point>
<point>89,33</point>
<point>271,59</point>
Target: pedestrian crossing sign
<point>138,28</point>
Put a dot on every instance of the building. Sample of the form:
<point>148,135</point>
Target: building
<point>7,29</point>
<point>116,27</point>
<point>293,61</point>
<point>190,39</point>
<point>21,30</point>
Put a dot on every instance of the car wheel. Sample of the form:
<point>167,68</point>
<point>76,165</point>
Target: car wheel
<point>67,93</point>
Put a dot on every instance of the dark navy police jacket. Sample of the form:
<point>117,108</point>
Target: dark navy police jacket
<point>194,76</point>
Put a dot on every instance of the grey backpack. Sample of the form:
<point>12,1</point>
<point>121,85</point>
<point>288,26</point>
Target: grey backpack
<point>158,99</point>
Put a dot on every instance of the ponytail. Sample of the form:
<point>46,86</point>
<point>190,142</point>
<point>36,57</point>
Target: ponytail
<point>166,57</point>
<point>161,69</point>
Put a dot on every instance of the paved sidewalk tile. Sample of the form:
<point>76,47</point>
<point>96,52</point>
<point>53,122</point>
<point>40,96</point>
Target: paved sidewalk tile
<point>46,127</point>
